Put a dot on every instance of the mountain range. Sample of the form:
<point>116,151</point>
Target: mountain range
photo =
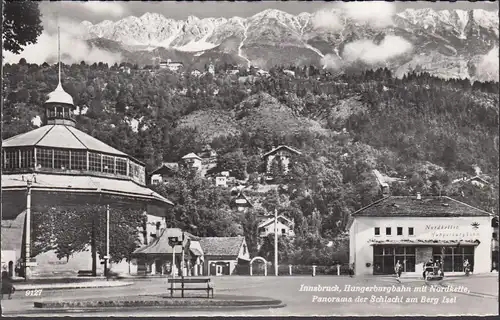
<point>447,43</point>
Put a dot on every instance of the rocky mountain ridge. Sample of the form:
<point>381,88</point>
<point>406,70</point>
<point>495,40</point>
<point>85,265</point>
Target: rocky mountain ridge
<point>326,38</point>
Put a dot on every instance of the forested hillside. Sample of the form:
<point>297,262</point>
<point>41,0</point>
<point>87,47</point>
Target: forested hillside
<point>425,130</point>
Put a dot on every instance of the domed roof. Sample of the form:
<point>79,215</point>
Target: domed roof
<point>60,96</point>
<point>62,137</point>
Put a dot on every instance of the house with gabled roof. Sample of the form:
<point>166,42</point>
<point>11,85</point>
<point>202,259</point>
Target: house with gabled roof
<point>223,254</point>
<point>156,257</point>
<point>285,226</point>
<point>192,160</point>
<point>240,202</point>
<point>202,255</point>
<point>281,154</point>
<point>415,229</point>
<point>163,172</point>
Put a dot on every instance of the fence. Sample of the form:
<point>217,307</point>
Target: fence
<point>287,270</point>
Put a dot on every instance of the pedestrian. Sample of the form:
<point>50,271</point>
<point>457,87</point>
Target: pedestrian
<point>398,268</point>
<point>7,287</point>
<point>427,267</point>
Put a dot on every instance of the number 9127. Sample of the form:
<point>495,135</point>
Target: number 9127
<point>34,293</point>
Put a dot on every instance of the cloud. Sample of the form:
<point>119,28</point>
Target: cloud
<point>327,19</point>
<point>377,14</point>
<point>371,53</point>
<point>488,66</point>
<point>73,48</point>
<point>114,9</point>
<point>332,62</point>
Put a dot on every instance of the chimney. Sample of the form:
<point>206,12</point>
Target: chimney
<point>419,197</point>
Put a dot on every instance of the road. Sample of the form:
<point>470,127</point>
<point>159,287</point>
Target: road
<point>480,297</point>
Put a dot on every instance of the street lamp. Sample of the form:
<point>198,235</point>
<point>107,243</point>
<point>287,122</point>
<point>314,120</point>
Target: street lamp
<point>27,253</point>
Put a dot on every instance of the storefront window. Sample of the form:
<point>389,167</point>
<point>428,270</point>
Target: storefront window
<point>385,258</point>
<point>454,257</point>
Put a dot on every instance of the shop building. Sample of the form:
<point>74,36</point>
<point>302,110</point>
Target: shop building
<point>414,229</point>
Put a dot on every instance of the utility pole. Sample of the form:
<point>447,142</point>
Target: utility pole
<point>173,260</point>
<point>182,256</point>
<point>276,242</point>
<point>106,258</point>
<point>27,252</point>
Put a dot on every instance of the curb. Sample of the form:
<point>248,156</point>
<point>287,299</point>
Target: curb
<point>170,303</point>
<point>88,285</point>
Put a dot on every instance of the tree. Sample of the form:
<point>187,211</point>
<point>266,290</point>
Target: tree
<point>21,24</point>
<point>235,162</point>
<point>250,226</point>
<point>68,230</point>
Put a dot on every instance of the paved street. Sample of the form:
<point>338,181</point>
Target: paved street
<point>478,296</point>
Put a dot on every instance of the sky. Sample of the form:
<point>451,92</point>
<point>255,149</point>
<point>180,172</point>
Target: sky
<point>97,11</point>
<point>68,15</point>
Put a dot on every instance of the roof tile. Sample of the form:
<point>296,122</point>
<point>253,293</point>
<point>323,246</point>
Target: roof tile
<point>404,206</point>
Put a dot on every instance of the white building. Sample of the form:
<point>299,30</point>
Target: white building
<point>166,170</point>
<point>285,226</point>
<point>221,181</point>
<point>196,73</point>
<point>281,154</point>
<point>211,69</point>
<point>171,65</point>
<point>415,229</point>
<point>192,161</point>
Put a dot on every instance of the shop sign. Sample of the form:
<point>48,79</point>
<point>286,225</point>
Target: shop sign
<point>452,231</point>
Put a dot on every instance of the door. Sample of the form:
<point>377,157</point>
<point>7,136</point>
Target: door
<point>219,270</point>
<point>159,267</point>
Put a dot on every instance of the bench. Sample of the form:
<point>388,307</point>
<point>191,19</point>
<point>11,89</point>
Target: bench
<point>183,281</point>
<point>85,273</point>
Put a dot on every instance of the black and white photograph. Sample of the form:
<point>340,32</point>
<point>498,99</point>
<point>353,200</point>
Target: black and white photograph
<point>249,158</point>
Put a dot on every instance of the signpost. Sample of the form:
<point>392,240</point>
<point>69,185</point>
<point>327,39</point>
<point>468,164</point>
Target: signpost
<point>275,242</point>
<point>174,241</point>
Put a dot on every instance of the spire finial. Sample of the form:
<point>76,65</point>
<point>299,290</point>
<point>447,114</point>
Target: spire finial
<point>58,48</point>
<point>59,52</point>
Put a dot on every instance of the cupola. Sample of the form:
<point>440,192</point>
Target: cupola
<point>59,107</point>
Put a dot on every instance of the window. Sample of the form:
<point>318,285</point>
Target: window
<point>61,159</point>
<point>95,162</point>
<point>377,231</point>
<point>410,231</point>
<point>385,258</point>
<point>283,231</point>
<point>121,166</point>
<point>400,231</point>
<point>79,160</point>
<point>59,112</point>
<point>44,157</point>
<point>454,257</point>
<point>108,164</point>
<point>27,158</point>
<point>11,159</point>
<point>388,231</point>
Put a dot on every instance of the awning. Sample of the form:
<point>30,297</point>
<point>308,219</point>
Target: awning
<point>68,189</point>
<point>426,243</point>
